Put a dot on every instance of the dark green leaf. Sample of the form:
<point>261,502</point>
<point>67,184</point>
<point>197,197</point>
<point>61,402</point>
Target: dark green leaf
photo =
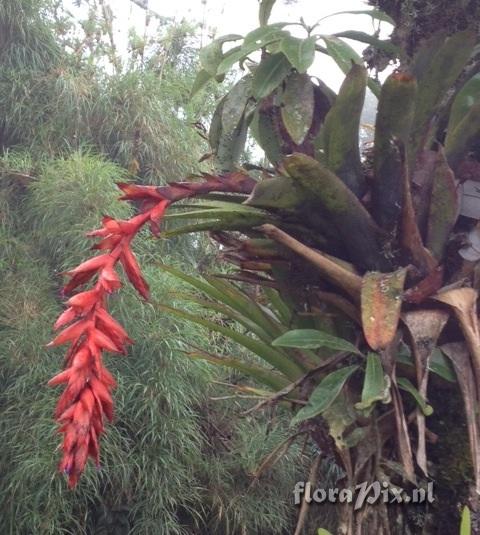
<point>269,75</point>
<point>443,68</point>
<point>339,135</point>
<point>324,394</point>
<point>265,133</point>
<point>406,385</point>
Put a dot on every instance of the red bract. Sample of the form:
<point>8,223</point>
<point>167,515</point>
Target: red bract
<point>90,330</point>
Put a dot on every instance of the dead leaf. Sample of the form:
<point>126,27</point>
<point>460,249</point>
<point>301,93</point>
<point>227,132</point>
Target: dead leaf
<point>425,327</point>
<point>381,301</point>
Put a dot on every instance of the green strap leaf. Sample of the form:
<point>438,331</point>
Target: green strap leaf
<point>313,339</point>
<point>374,13</point>
<point>270,74</point>
<point>300,52</point>
<point>283,364</point>
<point>384,45</point>
<point>394,120</point>
<point>376,385</point>
<point>324,394</point>
<point>438,76</point>
<point>339,135</point>
<point>262,375</point>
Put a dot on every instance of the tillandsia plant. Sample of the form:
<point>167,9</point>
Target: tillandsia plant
<point>356,276</point>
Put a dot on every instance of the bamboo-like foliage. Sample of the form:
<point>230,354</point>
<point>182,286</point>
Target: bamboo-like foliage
<point>68,132</point>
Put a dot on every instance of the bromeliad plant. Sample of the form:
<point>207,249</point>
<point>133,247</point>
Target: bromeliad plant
<point>353,278</point>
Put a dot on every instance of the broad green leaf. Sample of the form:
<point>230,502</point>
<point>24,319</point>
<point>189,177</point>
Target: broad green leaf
<point>384,45</point>
<point>344,55</point>
<point>375,385</point>
<point>262,375</point>
<point>283,364</point>
<point>374,13</point>
<point>270,74</point>
<point>466,523</point>
<point>300,52</point>
<point>211,55</point>
<point>265,11</point>
<point>381,302</point>
<point>339,135</point>
<point>201,79</point>
<point>406,385</point>
<point>324,394</point>
<point>255,40</point>
<point>297,109</point>
<point>313,339</point>
<point>264,35</point>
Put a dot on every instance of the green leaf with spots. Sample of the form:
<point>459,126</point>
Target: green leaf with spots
<point>298,106</point>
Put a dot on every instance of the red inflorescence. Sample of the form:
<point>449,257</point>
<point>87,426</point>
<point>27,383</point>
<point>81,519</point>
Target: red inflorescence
<point>90,330</point>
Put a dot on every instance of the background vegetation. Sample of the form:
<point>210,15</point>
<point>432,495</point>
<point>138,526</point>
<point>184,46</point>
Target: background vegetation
<point>73,121</point>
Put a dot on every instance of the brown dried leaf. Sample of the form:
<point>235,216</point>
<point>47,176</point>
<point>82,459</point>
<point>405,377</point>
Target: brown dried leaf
<point>381,300</point>
<point>425,327</point>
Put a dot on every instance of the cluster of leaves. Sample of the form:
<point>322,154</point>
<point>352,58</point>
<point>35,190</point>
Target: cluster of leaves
<point>354,285</point>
